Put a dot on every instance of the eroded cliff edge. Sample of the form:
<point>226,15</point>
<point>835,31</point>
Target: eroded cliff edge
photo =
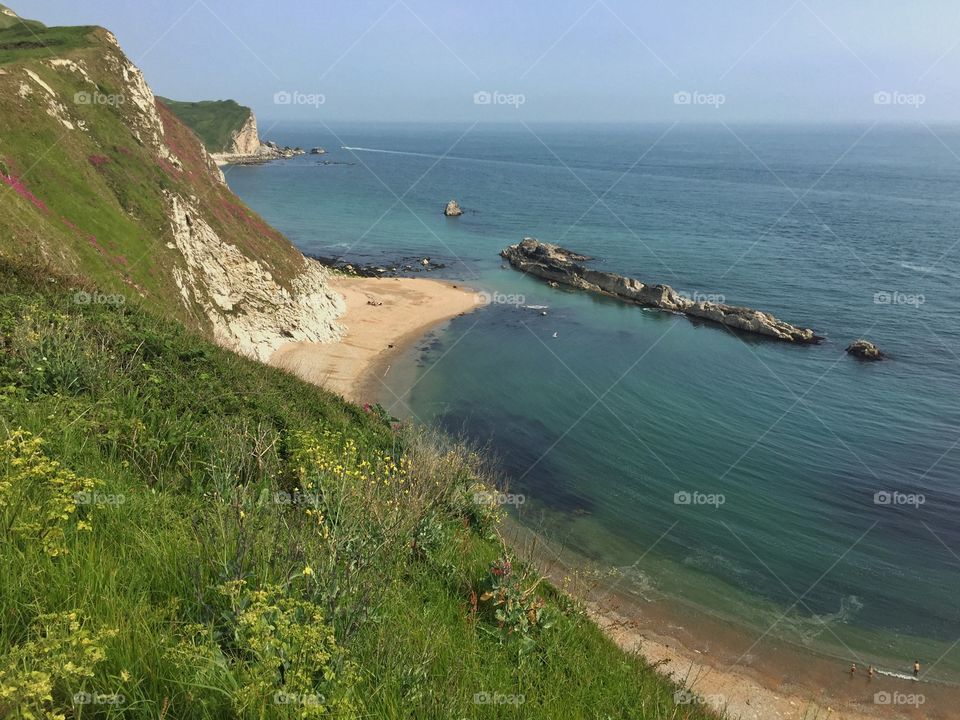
<point>102,181</point>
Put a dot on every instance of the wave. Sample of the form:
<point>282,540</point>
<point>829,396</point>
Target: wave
<point>898,675</point>
<point>536,307</point>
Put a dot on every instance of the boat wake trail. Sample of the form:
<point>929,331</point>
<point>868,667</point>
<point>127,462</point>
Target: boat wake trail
<point>397,152</point>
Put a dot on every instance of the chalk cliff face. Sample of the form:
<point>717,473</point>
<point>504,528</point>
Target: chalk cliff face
<point>250,312</point>
<point>101,180</point>
<point>246,140</point>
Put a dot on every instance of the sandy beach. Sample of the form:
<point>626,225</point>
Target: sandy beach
<point>720,665</point>
<point>384,317</point>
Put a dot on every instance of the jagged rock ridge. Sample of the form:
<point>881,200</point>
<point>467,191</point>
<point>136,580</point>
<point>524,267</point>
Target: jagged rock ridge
<point>559,265</point>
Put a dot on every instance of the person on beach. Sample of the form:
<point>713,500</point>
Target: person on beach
<point>871,672</point>
<point>916,668</point>
<point>853,669</point>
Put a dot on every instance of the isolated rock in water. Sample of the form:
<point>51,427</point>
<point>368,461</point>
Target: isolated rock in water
<point>559,265</point>
<point>453,209</point>
<point>318,151</point>
<point>865,350</point>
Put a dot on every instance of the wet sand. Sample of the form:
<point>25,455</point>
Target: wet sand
<point>751,677</point>
<point>384,318</point>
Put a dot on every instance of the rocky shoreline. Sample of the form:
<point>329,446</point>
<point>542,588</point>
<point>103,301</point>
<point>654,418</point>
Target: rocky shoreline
<point>266,152</point>
<point>564,267</point>
<point>402,268</point>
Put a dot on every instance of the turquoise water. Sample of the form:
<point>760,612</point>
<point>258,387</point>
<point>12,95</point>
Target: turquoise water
<point>602,425</point>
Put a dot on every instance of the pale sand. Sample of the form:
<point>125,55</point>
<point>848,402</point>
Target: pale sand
<point>746,689</point>
<point>734,690</point>
<point>384,317</point>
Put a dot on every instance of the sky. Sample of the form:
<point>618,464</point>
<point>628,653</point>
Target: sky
<point>544,60</point>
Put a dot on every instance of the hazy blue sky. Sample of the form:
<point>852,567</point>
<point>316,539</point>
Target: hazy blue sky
<point>567,60</point>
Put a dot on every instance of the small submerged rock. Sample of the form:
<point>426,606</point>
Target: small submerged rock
<point>865,350</point>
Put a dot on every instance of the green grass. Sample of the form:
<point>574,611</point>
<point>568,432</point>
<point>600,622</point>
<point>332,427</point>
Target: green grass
<point>214,121</point>
<point>198,591</point>
<point>7,21</point>
<point>27,39</point>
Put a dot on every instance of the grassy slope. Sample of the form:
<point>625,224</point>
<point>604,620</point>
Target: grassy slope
<point>7,21</point>
<point>197,441</point>
<point>91,202</point>
<point>214,121</point>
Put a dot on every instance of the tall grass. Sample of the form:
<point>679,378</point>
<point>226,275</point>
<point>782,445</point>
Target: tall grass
<point>243,545</point>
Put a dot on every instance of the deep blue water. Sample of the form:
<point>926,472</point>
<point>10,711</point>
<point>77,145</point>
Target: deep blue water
<point>603,424</point>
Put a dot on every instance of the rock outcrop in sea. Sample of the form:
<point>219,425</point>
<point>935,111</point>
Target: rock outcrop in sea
<point>556,264</point>
<point>264,152</point>
<point>865,350</point>
<point>453,209</point>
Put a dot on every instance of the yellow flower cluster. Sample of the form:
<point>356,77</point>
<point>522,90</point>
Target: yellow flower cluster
<point>293,658</point>
<point>331,459</point>
<point>59,654</point>
<point>38,496</point>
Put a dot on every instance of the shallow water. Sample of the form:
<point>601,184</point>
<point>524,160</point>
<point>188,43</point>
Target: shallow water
<point>850,230</point>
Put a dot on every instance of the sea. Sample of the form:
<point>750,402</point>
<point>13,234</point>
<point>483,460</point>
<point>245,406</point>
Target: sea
<point>791,493</point>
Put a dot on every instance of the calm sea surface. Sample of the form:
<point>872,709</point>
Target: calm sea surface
<point>609,418</point>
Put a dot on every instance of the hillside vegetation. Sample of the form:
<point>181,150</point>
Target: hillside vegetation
<point>8,18</point>
<point>101,180</point>
<point>190,534</point>
<point>214,121</point>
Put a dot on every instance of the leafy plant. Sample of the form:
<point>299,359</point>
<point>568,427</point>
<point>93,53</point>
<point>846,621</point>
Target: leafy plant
<point>520,613</point>
<point>38,497</point>
<point>38,678</point>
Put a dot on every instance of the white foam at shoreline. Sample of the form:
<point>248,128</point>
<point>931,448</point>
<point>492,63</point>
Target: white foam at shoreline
<point>901,676</point>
